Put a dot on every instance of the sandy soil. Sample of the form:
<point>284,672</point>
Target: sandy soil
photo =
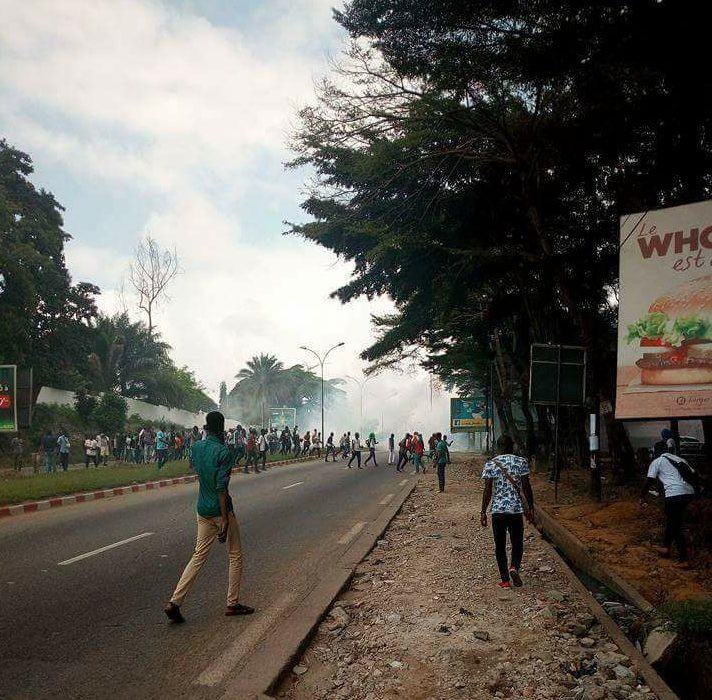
<point>623,536</point>
<point>423,618</point>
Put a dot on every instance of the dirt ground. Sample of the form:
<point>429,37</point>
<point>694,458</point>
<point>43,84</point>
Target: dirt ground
<point>423,618</point>
<point>623,536</point>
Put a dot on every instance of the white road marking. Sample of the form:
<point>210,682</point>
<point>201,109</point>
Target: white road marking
<point>104,549</point>
<point>291,486</point>
<point>386,500</point>
<point>351,533</point>
<point>246,642</point>
<point>404,482</point>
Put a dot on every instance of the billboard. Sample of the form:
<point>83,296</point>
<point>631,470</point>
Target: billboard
<point>665,313</point>
<point>557,374</point>
<point>468,415</point>
<point>281,417</point>
<point>8,398</point>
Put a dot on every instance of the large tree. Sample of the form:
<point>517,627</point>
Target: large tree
<point>45,319</point>
<point>472,161</point>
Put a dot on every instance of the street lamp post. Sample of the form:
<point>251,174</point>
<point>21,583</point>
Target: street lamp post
<point>361,383</point>
<point>321,362</point>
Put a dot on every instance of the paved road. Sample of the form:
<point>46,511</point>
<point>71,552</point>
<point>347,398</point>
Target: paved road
<point>95,628</point>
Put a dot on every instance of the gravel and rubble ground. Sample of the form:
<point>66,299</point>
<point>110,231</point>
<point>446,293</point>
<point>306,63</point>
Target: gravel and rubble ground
<point>423,618</point>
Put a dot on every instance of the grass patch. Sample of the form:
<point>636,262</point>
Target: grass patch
<point>17,489</point>
<point>693,617</point>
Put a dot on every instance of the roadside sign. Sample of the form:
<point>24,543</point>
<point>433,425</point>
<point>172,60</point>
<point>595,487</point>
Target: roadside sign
<point>8,398</point>
<point>557,375</point>
<point>281,417</point>
<point>468,415</point>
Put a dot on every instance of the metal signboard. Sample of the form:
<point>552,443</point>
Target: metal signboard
<point>468,415</point>
<point>665,313</point>
<point>281,417</point>
<point>8,398</point>
<point>557,375</point>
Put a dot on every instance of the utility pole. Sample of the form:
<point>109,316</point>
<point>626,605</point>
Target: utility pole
<point>321,362</point>
<point>361,383</point>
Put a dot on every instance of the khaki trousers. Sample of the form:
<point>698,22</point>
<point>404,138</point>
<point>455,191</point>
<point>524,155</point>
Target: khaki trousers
<point>208,530</point>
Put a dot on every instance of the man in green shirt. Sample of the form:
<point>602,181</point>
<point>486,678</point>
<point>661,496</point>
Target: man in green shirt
<point>212,462</point>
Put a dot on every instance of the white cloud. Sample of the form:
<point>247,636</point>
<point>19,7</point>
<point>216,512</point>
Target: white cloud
<point>164,104</point>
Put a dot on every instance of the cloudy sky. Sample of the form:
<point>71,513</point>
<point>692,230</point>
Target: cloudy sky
<point>173,118</point>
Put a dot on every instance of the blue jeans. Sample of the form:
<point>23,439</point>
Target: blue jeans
<point>49,461</point>
<point>441,476</point>
<point>417,461</point>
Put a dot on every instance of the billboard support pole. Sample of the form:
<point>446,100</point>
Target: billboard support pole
<point>556,425</point>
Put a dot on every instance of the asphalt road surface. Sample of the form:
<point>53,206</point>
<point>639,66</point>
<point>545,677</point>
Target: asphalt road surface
<point>93,626</point>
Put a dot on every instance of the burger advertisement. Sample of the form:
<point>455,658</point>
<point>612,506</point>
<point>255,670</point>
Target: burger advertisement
<point>665,313</point>
<point>8,409</point>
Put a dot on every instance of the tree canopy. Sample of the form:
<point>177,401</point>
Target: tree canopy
<point>473,159</point>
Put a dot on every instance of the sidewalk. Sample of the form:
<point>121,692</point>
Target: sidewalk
<point>424,619</point>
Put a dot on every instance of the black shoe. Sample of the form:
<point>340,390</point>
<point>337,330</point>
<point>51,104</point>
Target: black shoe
<point>238,609</point>
<point>173,613</point>
<point>516,578</point>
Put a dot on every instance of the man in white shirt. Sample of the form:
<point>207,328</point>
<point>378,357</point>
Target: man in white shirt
<point>356,451</point>
<point>263,446</point>
<point>679,492</point>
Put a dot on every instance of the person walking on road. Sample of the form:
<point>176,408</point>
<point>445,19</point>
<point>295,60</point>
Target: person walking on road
<point>509,490</point>
<point>212,462</point>
<point>63,444</point>
<point>418,451</point>
<point>330,449</point>
<point>91,451</point>
<point>371,442</point>
<point>441,458</point>
<point>17,450</point>
<point>355,451</point>
<point>49,447</point>
<point>263,447</point>
<point>680,484</point>
<point>392,449</point>
<point>403,453</point>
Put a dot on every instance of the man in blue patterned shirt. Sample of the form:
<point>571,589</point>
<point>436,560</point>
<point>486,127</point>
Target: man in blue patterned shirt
<point>507,486</point>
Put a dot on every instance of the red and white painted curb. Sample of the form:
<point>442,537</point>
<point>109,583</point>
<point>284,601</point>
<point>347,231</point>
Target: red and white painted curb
<point>35,506</point>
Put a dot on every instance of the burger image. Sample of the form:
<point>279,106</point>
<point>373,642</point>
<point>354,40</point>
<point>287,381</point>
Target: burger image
<point>676,336</point>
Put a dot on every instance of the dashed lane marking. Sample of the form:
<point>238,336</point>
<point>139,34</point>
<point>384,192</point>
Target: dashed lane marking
<point>386,500</point>
<point>404,482</point>
<point>104,549</point>
<point>291,486</point>
<point>352,533</point>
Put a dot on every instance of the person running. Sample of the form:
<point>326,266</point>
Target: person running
<point>680,484</point>
<point>371,442</point>
<point>63,445</point>
<point>263,446</point>
<point>212,463</point>
<point>392,449</point>
<point>356,451</point>
<point>306,444</point>
<point>507,486</point>
<point>403,453</point>
<point>240,447</point>
<point>330,449</point>
<point>296,441</point>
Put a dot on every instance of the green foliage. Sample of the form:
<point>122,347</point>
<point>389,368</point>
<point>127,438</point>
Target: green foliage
<point>693,617</point>
<point>45,319</point>
<point>110,413</point>
<point>85,405</point>
<point>264,383</point>
<point>473,159</point>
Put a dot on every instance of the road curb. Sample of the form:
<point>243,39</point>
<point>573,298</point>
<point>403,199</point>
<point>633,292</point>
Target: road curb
<point>650,675</point>
<point>275,655</point>
<point>111,492</point>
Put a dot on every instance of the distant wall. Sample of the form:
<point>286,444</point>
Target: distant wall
<point>149,411</point>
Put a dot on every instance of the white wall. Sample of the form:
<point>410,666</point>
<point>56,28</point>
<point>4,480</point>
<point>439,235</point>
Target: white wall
<point>174,416</point>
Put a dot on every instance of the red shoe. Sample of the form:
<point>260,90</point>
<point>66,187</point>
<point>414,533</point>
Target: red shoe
<point>504,584</point>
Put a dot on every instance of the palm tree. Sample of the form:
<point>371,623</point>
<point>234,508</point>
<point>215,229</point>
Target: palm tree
<point>262,377</point>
